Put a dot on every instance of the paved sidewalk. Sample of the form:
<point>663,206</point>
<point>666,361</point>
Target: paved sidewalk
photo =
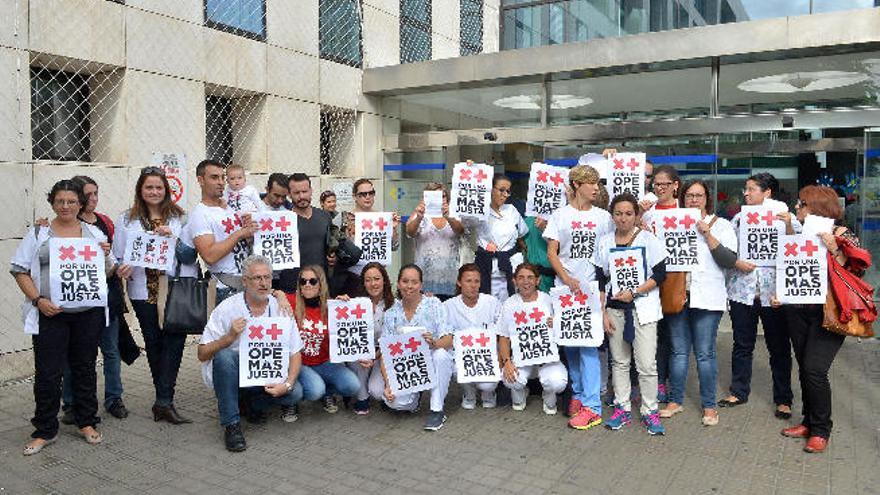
<point>488,451</point>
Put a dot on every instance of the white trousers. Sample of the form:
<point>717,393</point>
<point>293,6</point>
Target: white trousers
<point>553,378</point>
<point>644,349</point>
<point>366,378</point>
<point>444,366</point>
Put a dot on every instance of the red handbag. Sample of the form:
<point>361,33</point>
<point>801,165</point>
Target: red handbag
<point>849,307</point>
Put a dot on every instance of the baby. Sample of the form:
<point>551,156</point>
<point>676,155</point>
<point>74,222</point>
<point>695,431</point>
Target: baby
<point>239,195</point>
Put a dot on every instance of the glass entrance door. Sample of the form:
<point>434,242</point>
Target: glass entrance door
<point>869,200</point>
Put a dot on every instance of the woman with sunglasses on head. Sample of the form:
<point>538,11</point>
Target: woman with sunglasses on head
<point>61,336</point>
<point>815,347</point>
<point>499,237</point>
<point>749,289</point>
<point>437,245</point>
<point>154,211</point>
<point>414,309</point>
<point>320,379</point>
<point>696,326</point>
<point>666,184</point>
<point>572,233</point>
<point>377,287</point>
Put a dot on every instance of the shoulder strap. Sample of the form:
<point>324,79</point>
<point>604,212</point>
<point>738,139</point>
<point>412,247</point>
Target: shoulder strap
<point>633,238</point>
<point>714,217</point>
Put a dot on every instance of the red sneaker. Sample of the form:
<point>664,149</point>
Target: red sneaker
<point>574,406</point>
<point>799,431</point>
<point>585,419</point>
<point>816,445</point>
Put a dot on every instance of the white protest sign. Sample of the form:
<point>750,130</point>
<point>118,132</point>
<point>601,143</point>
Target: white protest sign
<point>76,273</point>
<point>408,361</point>
<point>626,174</point>
<point>628,268</point>
<point>546,190</point>
<point>471,190</point>
<point>476,356</point>
<point>277,238</point>
<point>801,270</point>
<point>148,250</point>
<point>815,225</point>
<point>351,330</point>
<point>759,232</point>
<point>174,166</point>
<point>678,230</point>
<point>433,204</point>
<point>531,340</point>
<point>264,351</point>
<point>373,233</point>
<point>577,318</point>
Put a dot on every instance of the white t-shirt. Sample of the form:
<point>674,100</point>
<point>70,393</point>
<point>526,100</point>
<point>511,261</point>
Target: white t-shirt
<point>502,228</point>
<point>515,303</point>
<point>577,233</point>
<point>220,223</point>
<point>484,315</point>
<point>246,200</point>
<point>221,320</point>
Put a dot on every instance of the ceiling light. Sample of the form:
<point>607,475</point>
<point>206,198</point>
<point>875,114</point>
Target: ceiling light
<point>533,102</point>
<point>802,82</point>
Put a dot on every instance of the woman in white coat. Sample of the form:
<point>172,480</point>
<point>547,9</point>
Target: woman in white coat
<point>697,325</point>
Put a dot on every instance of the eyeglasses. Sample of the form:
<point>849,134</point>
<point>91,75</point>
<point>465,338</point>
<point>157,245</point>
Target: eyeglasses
<point>308,281</point>
<point>694,196</point>
<point>748,190</point>
<point>260,278</point>
<point>658,185</point>
<point>66,202</point>
<point>366,194</point>
<point>152,170</point>
<point>503,191</point>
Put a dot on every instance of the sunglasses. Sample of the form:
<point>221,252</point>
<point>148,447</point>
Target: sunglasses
<point>308,281</point>
<point>152,170</point>
<point>366,194</point>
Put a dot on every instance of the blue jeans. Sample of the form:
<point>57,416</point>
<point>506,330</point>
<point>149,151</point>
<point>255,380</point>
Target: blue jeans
<point>225,370</point>
<point>109,344</point>
<point>327,378</point>
<point>164,351</point>
<point>585,373</point>
<point>697,329</point>
<point>744,319</point>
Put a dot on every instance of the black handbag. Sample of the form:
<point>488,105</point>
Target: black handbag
<point>347,252</point>
<point>186,307</point>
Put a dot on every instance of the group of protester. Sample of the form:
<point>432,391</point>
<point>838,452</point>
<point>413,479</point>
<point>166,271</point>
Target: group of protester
<point>516,261</point>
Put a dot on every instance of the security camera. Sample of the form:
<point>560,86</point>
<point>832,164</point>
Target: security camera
<point>787,121</point>
<point>490,136</point>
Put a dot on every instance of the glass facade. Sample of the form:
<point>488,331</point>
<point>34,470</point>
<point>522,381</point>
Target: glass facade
<point>241,17</point>
<point>415,31</point>
<point>547,22</point>
<point>340,31</point>
<point>471,27</point>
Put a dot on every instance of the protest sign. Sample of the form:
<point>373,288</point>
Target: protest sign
<point>373,233</point>
<point>759,232</point>
<point>76,273</point>
<point>628,268</point>
<point>408,361</point>
<point>678,230</point>
<point>815,225</point>
<point>476,356</point>
<point>577,318</point>
<point>264,351</point>
<point>351,330</point>
<point>433,204</point>
<point>531,340</point>
<point>174,166</point>
<point>801,270</point>
<point>471,190</point>
<point>546,190</point>
<point>626,174</point>
<point>277,238</point>
<point>148,250</point>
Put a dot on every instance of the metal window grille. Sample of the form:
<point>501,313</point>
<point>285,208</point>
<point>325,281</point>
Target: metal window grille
<point>241,17</point>
<point>415,31</point>
<point>59,115</point>
<point>471,27</point>
<point>340,31</point>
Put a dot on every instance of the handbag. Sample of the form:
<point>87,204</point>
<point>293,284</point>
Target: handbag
<point>857,297</point>
<point>186,306</point>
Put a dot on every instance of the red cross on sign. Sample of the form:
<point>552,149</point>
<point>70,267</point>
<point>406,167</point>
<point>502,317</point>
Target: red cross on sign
<point>753,218</point>
<point>809,248</point>
<point>467,340</point>
<point>358,312</point>
<point>381,223</point>
<point>669,222</point>
<point>465,174</point>
<point>274,332</point>
<point>542,175</point>
<point>67,253</point>
<point>88,253</point>
<point>412,344</point>
<point>228,224</point>
<point>633,164</point>
<point>630,261</point>
<point>590,225</point>
<point>618,262</point>
<point>576,225</point>
<point>581,298</point>
<point>769,217</point>
<point>557,179</point>
<point>395,348</point>
<point>256,332</point>
<point>791,249</point>
<point>565,300</point>
<point>481,176</point>
<point>367,224</point>
<point>342,312</point>
<point>483,340</point>
<point>266,224</point>
<point>520,317</point>
<point>283,224</point>
<point>536,315</point>
<point>618,164</point>
<point>687,222</point>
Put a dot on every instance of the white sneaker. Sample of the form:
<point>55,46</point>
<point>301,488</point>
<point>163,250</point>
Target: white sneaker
<point>468,403</point>
<point>489,401</point>
<point>519,407</point>
<point>549,410</point>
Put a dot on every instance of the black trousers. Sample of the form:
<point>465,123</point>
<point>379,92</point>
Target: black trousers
<point>66,339</point>
<point>814,350</point>
<point>744,319</point>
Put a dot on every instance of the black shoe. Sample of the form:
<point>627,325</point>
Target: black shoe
<point>235,438</point>
<point>169,414</point>
<point>67,418</point>
<point>117,409</point>
<point>731,403</point>
<point>782,414</point>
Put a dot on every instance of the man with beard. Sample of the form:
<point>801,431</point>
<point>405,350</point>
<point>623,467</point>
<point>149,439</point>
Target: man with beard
<point>313,225</point>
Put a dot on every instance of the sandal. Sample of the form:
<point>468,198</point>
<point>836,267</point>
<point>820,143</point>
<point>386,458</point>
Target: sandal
<point>93,437</point>
<point>731,401</point>
<point>31,448</point>
<point>710,419</point>
<point>782,413</point>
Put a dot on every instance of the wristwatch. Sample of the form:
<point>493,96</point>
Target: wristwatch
<point>36,301</point>
<point>637,294</point>
<point>288,385</point>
